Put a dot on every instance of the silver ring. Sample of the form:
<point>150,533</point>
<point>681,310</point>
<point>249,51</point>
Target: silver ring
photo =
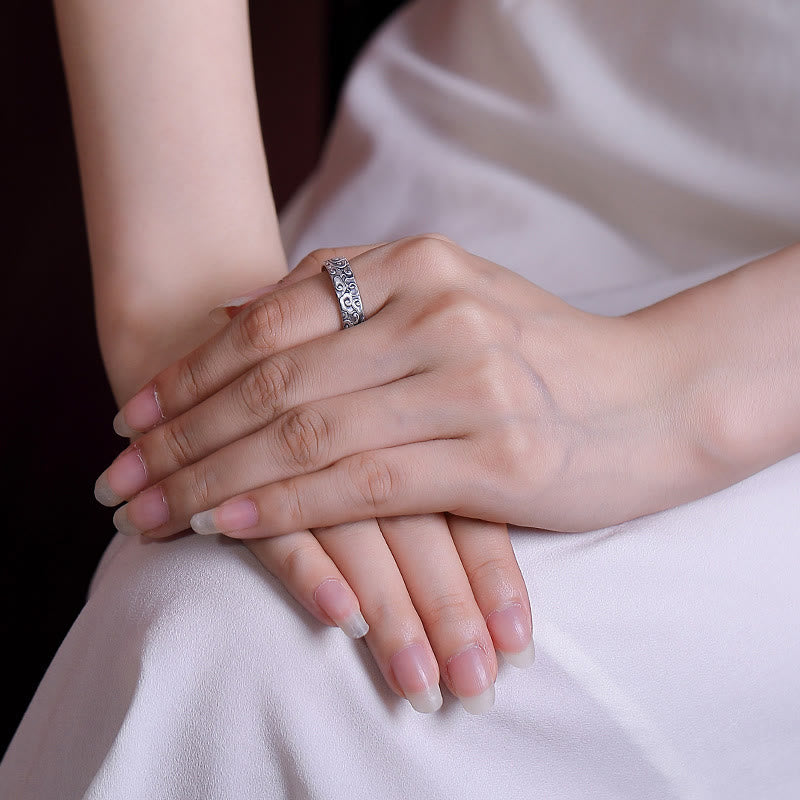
<point>344,284</point>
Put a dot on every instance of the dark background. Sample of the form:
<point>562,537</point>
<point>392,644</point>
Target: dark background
<point>55,425</point>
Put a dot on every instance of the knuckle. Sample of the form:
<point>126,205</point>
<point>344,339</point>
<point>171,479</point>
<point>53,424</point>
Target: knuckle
<point>381,613</point>
<point>293,564</point>
<point>512,454</point>
<point>305,433</point>
<point>289,511</point>
<point>438,237</point>
<point>266,386</point>
<point>200,481</point>
<point>427,254</point>
<point>436,247</point>
<point>447,609</point>
<point>321,255</point>
<point>375,482</point>
<point>191,380</point>
<point>491,572</point>
<point>262,326</point>
<point>177,442</point>
<point>492,384</point>
<point>463,314</point>
<point>441,255</point>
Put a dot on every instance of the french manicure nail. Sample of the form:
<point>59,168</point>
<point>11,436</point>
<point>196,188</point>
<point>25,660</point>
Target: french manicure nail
<point>341,606</point>
<point>471,679</point>
<point>235,515</point>
<point>512,636</point>
<point>104,494</point>
<point>416,676</point>
<point>123,524</point>
<point>221,313</point>
<point>121,428</point>
<point>144,513</point>
<point>140,413</point>
<point>126,476</point>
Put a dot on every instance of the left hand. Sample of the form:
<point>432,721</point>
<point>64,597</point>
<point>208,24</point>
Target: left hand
<point>468,389</point>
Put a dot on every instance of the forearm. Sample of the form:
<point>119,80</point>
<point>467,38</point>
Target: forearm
<point>179,211</point>
<point>734,350</point>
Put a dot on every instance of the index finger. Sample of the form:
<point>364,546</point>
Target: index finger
<point>290,315</point>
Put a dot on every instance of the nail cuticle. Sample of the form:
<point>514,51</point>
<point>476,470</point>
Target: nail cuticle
<point>136,416</point>
<point>136,448</point>
<point>475,645</point>
<point>158,404</point>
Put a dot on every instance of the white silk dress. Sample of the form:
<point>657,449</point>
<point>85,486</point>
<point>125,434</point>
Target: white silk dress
<point>613,153</point>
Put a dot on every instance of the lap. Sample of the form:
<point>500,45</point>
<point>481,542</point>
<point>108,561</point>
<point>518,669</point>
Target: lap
<point>666,667</point>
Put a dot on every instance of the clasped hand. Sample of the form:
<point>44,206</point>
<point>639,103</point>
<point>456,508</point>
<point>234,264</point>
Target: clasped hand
<point>468,399</point>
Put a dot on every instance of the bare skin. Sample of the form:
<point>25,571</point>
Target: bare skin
<point>558,419</point>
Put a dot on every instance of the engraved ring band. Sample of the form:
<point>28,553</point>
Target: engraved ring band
<point>346,288</point>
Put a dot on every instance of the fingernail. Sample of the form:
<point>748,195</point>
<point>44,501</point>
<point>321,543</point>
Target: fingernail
<point>416,676</point>
<point>471,679</point>
<point>126,476</point>
<point>145,512</point>
<point>341,606</point>
<point>104,494</point>
<point>512,636</point>
<point>140,413</point>
<point>225,311</point>
<point>235,515</point>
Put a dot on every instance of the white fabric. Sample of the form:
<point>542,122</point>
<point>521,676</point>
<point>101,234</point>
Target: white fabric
<point>613,153</point>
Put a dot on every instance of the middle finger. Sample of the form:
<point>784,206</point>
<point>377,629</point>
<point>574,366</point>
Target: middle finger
<point>304,440</point>
<point>298,376</point>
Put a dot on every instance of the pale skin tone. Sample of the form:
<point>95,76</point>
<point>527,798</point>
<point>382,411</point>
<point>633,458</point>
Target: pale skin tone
<point>180,218</point>
<point>387,459</point>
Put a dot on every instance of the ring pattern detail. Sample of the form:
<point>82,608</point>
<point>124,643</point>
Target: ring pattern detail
<point>344,284</point>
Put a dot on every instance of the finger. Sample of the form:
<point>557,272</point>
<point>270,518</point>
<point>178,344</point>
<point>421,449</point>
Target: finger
<point>419,478</point>
<point>272,387</point>
<point>305,438</point>
<point>298,561</point>
<point>396,636</point>
<point>307,267</point>
<point>282,319</point>
<point>440,590</point>
<point>497,584</point>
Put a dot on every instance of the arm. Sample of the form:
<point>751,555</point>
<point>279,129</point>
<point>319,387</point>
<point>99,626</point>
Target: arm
<point>566,420</point>
<point>733,345</point>
<point>177,223</point>
<point>180,219</point>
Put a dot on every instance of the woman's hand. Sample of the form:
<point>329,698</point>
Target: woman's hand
<point>468,390</point>
<point>440,593</point>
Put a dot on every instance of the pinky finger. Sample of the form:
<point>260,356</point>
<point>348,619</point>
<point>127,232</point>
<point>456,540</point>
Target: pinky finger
<point>298,561</point>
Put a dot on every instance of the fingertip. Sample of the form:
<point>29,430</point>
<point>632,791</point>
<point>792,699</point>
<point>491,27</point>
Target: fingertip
<point>355,626</point>
<point>523,659</point>
<point>121,428</point>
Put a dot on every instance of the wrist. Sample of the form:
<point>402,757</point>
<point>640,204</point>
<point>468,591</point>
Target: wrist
<point>142,328</point>
<point>730,349</point>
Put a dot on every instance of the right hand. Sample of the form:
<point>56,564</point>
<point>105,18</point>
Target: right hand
<point>439,592</point>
